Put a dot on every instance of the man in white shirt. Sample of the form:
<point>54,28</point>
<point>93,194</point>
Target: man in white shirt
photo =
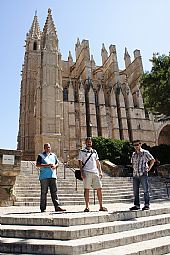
<point>91,173</point>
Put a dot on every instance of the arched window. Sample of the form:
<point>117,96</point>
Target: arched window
<point>35,46</point>
<point>65,94</point>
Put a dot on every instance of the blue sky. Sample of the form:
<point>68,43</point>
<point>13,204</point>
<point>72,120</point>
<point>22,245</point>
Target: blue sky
<point>141,24</point>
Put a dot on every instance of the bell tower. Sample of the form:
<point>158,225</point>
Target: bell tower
<point>41,103</point>
<point>30,79</point>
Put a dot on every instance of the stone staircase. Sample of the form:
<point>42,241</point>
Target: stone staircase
<point>25,230</point>
<point>115,189</point>
<point>96,233</point>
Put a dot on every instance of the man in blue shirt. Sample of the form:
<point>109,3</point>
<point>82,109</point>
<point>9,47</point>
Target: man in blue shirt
<point>48,163</point>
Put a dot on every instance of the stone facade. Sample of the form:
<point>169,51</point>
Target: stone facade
<point>63,101</point>
<point>10,166</point>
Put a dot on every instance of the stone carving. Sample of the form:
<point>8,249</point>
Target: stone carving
<point>62,116</point>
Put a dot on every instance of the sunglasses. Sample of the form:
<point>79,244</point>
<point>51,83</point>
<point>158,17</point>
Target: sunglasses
<point>136,144</point>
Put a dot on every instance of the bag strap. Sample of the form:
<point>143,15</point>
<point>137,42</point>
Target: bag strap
<point>83,164</point>
<point>44,158</point>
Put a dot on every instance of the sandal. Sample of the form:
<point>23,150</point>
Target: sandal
<point>86,210</point>
<point>103,209</point>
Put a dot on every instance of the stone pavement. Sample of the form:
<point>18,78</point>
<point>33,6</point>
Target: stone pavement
<point>74,209</point>
<point>25,230</point>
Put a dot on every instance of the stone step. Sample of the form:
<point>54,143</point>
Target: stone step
<point>34,186</point>
<point>75,197</point>
<point>18,203</point>
<point>107,182</point>
<point>78,200</point>
<point>74,191</point>
<point>81,202</point>
<point>64,186</point>
<point>81,231</point>
<point>71,203</point>
<point>83,245</point>
<point>157,246</point>
<point>76,216</point>
<point>79,193</point>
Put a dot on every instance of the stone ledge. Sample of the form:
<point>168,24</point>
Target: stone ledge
<point>8,173</point>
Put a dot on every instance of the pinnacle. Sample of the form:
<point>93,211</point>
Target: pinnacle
<point>49,11</point>
<point>49,27</point>
<point>35,29</point>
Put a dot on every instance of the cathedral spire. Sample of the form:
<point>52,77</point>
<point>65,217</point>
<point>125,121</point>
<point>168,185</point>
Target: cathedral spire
<point>34,31</point>
<point>78,42</point>
<point>127,58</point>
<point>77,48</point>
<point>93,64</point>
<point>104,54</point>
<point>70,55</point>
<point>70,59</point>
<point>49,27</point>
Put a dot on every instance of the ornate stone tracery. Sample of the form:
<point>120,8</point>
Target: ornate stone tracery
<point>74,99</point>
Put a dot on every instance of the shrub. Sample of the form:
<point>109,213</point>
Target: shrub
<point>117,151</point>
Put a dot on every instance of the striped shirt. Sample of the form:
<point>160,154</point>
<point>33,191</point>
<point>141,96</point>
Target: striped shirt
<point>140,162</point>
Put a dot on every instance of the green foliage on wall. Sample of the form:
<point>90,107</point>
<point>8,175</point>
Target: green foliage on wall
<point>116,151</point>
<point>119,151</point>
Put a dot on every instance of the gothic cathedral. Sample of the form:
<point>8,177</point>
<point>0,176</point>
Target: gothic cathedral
<point>63,101</point>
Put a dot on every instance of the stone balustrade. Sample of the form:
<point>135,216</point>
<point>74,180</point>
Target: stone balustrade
<point>10,166</point>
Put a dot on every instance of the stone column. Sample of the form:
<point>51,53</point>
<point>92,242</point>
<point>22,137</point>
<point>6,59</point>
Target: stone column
<point>10,166</point>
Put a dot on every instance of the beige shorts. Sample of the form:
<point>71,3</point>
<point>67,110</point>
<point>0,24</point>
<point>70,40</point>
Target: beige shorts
<point>92,180</point>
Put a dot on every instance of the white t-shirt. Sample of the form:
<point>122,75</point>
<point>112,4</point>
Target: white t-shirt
<point>91,165</point>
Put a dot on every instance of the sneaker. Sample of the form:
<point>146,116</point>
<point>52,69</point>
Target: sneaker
<point>145,208</point>
<point>103,209</point>
<point>134,208</point>
<point>59,209</point>
<point>86,210</point>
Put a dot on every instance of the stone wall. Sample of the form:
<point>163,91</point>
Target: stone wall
<point>10,166</point>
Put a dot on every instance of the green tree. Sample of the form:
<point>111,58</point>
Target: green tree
<point>117,151</point>
<point>156,85</point>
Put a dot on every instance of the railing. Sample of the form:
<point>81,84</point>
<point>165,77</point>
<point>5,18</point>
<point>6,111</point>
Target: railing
<point>73,170</point>
<point>66,166</point>
<point>166,181</point>
<point>34,167</point>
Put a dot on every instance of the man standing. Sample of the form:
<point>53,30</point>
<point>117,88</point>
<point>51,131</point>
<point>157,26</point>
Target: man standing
<point>91,173</point>
<point>48,163</point>
<point>139,160</point>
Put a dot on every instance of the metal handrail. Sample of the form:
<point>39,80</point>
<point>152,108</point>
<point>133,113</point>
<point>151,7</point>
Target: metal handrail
<point>73,170</point>
<point>38,169</point>
<point>67,166</point>
<point>34,167</point>
<point>70,168</point>
<point>166,181</point>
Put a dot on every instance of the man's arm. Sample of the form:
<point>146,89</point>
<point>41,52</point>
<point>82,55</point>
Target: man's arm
<point>99,168</point>
<point>40,164</point>
<point>44,165</point>
<point>81,168</point>
<point>55,166</point>
<point>151,163</point>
